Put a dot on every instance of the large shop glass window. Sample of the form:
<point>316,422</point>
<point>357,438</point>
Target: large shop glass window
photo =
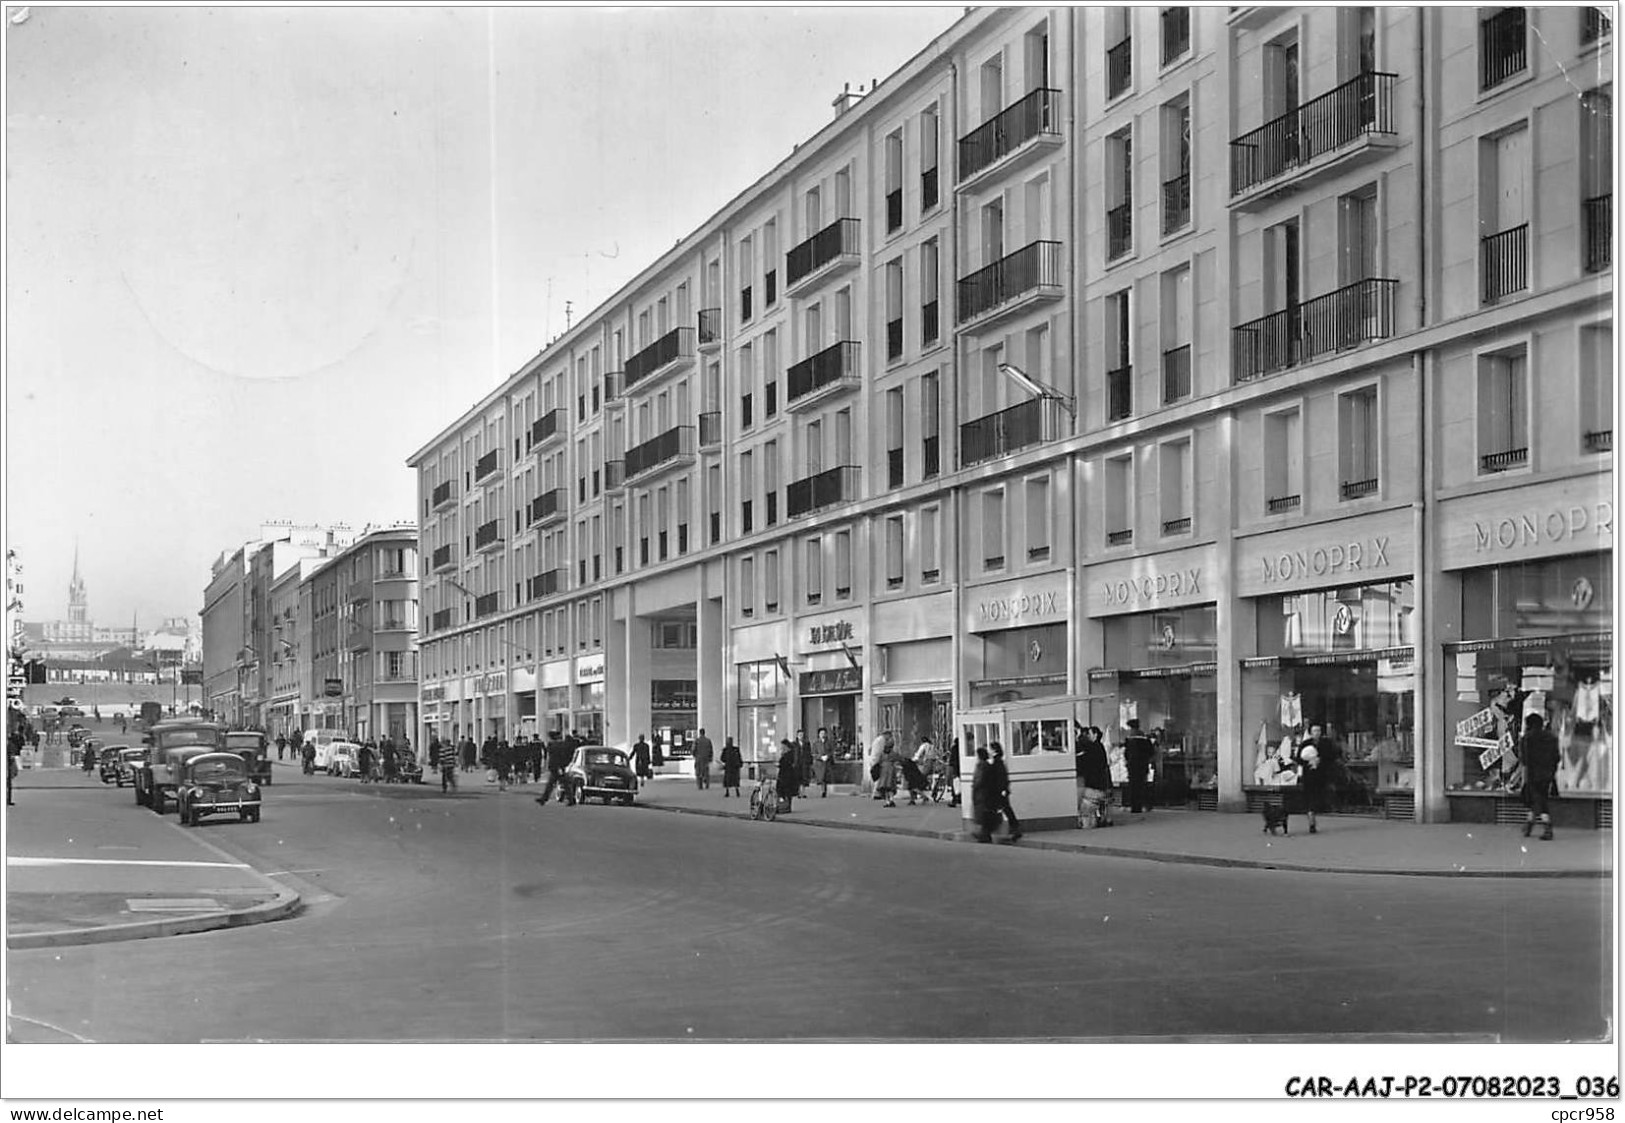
<point>1160,670</point>
<point>1542,643</point>
<point>763,696</point>
<point>1017,664</point>
<point>1342,659</point>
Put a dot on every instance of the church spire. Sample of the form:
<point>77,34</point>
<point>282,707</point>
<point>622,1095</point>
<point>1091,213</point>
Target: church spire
<point>78,610</point>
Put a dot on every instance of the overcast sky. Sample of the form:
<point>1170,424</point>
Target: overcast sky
<point>256,257</point>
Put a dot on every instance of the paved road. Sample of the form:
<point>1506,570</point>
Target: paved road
<point>480,916</point>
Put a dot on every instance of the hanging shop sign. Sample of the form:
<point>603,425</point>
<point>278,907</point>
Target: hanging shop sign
<point>836,680</point>
<point>333,687</point>
<point>589,668</point>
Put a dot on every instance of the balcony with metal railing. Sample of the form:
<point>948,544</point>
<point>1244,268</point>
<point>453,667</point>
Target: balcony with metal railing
<point>837,485</point>
<point>710,327</point>
<point>548,583</point>
<point>1281,504</point>
<point>1020,426</point>
<point>1594,23</point>
<point>1176,33</point>
<point>1119,67</point>
<point>1124,537</point>
<point>1350,124</point>
<point>487,464</point>
<point>1598,213</point>
<point>442,558</point>
<point>488,536</point>
<point>1338,321</point>
<point>1503,461</point>
<point>614,389</point>
<point>1358,489</point>
<point>441,620</point>
<point>548,507</point>
<point>832,251</point>
<point>1172,527</point>
<point>1503,46</point>
<point>1176,374</point>
<point>834,370</point>
<point>1119,230</point>
<point>487,604</point>
<point>710,430</point>
<point>667,452</point>
<point>1176,203</point>
<point>667,355</point>
<point>1120,393</point>
<point>1599,440</point>
<point>441,496</point>
<point>1504,263</point>
<point>614,475</point>
<point>1012,138</point>
<point>549,425</point>
<point>1012,284</point>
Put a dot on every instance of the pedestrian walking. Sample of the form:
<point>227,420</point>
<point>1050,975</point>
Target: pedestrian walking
<point>363,758</point>
<point>1313,760</point>
<point>872,762</point>
<point>281,745</point>
<point>1541,756</point>
<point>732,762</point>
<point>999,786</point>
<point>984,810</point>
<point>558,754</point>
<point>804,760</point>
<point>788,781</point>
<point>1094,776</point>
<point>926,763</point>
<point>445,758</point>
<point>640,758</point>
<point>886,777</point>
<point>1138,753</point>
<point>953,773</point>
<point>703,751</point>
<point>657,752</point>
<point>307,754</point>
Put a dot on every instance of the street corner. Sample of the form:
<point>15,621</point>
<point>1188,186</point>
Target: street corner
<point>40,920</point>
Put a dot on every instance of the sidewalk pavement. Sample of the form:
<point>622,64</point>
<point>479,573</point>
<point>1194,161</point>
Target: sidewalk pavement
<point>1344,844</point>
<point>86,865</point>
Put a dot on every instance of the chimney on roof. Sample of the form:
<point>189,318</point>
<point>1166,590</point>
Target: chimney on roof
<point>846,99</point>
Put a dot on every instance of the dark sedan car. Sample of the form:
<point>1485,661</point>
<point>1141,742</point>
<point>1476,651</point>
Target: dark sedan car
<point>601,772</point>
<point>216,784</point>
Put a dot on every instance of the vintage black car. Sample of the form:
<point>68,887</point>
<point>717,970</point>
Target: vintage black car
<point>255,750</point>
<point>111,765</point>
<point>602,772</point>
<point>216,784</point>
<point>171,742</point>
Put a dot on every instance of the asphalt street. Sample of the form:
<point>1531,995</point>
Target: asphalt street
<point>486,917</point>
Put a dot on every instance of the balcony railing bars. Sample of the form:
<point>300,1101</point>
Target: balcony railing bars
<point>1001,433</point>
<point>1600,441</point>
<point>710,323</point>
<point>1599,232</point>
<point>1119,393</point>
<point>674,442</point>
<point>837,485</point>
<point>931,457</point>
<point>1176,203</point>
<point>1505,262</point>
<point>1176,526</point>
<point>485,465</point>
<point>1176,33</point>
<point>1119,537</point>
<point>1355,489</point>
<point>441,493</point>
<point>487,604</point>
<point>1503,47</point>
<point>1360,106</point>
<point>1119,230</point>
<point>1176,373</point>
<point>678,343</point>
<point>1283,503</point>
<point>835,240</point>
<point>1501,461</point>
<point>1594,24</point>
<point>1119,66</point>
<point>442,556</point>
<point>819,370</point>
<point>487,534</point>
<point>546,426</point>
<point>1337,321</point>
<point>711,429</point>
<point>546,505</point>
<point>1033,266</point>
<point>1011,129</point>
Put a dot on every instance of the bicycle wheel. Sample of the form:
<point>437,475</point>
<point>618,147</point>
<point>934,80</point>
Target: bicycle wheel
<point>770,806</point>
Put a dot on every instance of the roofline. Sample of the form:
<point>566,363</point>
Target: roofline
<point>804,152</point>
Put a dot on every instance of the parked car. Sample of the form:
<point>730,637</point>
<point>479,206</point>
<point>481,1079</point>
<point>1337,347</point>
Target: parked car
<point>71,712</point>
<point>125,760</point>
<point>255,748</point>
<point>108,763</point>
<point>216,784</point>
<point>343,759</point>
<point>171,742</point>
<point>602,772</point>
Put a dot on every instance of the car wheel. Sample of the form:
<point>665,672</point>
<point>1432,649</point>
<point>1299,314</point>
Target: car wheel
<point>626,801</point>
<point>242,816</point>
<point>156,802</point>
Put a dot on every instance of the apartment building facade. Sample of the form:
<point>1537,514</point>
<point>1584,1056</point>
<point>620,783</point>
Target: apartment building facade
<point>1160,363</point>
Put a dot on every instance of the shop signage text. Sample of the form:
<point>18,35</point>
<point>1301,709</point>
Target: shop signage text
<point>1020,606</point>
<point>495,683</point>
<point>1533,528</point>
<point>1184,583</point>
<point>432,693</point>
<point>839,680</point>
<point>1326,561</point>
<point>333,687</point>
<point>838,631</point>
<point>590,669</point>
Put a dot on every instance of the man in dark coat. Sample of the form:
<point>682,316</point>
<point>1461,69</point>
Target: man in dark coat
<point>703,752</point>
<point>1138,753</point>
<point>788,782</point>
<point>983,812</point>
<point>804,759</point>
<point>1094,772</point>
<point>1540,755</point>
<point>732,761</point>
<point>640,758</point>
<point>445,758</point>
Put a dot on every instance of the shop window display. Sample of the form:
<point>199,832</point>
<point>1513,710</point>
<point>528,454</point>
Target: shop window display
<point>1547,651</point>
<point>763,697</point>
<point>1343,659</point>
